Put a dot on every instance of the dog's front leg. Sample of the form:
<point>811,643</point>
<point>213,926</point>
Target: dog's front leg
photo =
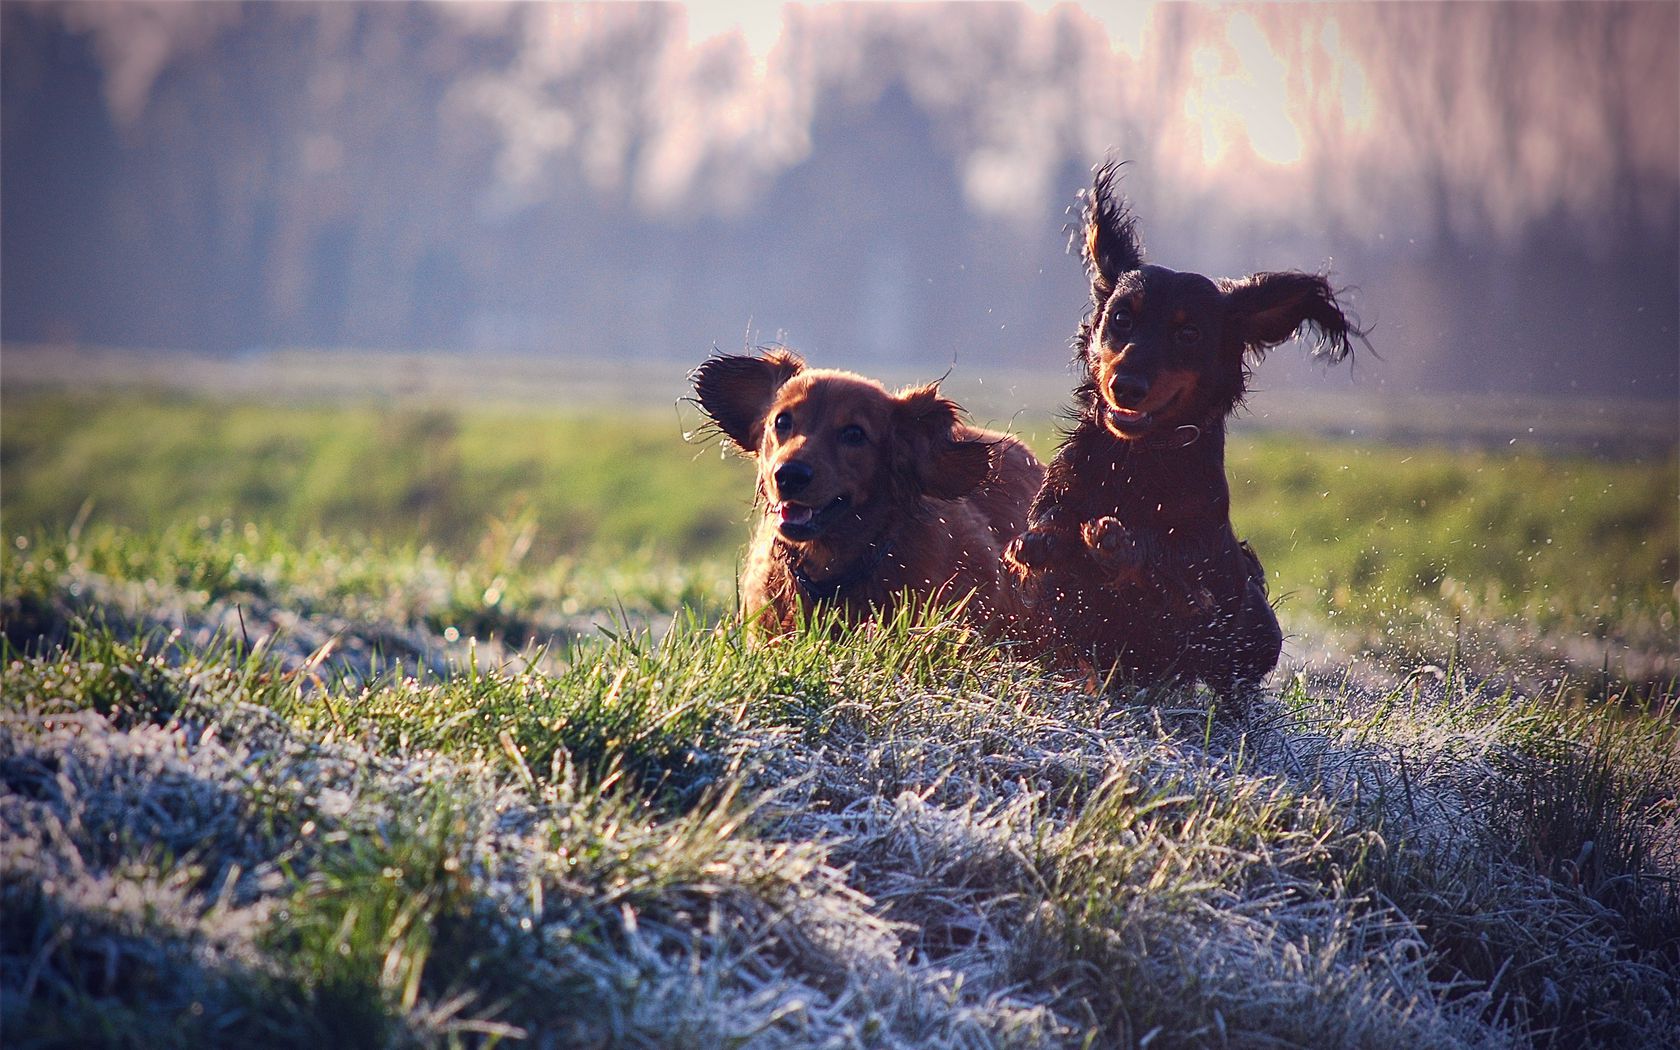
<point>1052,540</point>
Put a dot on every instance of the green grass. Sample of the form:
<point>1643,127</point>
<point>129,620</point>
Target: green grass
<point>379,726</point>
<point>889,832</point>
<point>402,473</point>
<point>1551,558</point>
<point>1541,565</point>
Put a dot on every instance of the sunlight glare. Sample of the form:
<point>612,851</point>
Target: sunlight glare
<point>1353,88</point>
<point>758,23</point>
<point>1241,89</point>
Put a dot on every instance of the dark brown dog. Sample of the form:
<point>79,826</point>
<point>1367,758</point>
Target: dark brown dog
<point>867,494</point>
<point>1129,559</point>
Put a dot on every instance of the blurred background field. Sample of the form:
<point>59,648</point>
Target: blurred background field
<point>1546,554</point>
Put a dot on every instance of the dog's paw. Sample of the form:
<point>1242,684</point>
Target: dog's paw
<point>1112,544</point>
<point>1106,536</point>
<point>1037,548</point>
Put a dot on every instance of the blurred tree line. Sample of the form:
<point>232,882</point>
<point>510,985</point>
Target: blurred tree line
<point>1500,182</point>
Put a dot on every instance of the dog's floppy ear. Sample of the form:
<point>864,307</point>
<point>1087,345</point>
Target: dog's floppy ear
<point>736,391</point>
<point>1267,309</point>
<point>927,454</point>
<point>1111,244</point>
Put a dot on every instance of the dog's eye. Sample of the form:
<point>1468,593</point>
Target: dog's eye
<point>853,435</point>
<point>1119,320</point>
<point>1189,335</point>
<point>784,423</point>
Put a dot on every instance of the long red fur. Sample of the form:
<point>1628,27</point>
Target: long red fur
<point>928,501</point>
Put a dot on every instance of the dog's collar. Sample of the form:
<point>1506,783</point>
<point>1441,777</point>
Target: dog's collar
<point>1179,437</point>
<point>826,590</point>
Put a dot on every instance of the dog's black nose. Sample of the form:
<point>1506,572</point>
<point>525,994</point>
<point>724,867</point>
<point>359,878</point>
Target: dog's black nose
<point>1128,391</point>
<point>791,477</point>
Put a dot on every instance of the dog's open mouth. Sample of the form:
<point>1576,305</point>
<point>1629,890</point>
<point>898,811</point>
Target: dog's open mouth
<point>1126,423</point>
<point>1129,423</point>
<point>801,521</point>
<point>1132,423</point>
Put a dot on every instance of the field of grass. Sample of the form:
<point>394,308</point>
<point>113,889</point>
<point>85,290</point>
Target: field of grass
<point>382,724</point>
<point>1548,566</point>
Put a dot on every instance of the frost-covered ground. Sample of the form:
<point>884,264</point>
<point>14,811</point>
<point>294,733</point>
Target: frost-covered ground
<point>242,806</point>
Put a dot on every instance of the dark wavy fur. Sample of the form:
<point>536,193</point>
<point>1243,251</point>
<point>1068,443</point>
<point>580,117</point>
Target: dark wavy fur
<point>1129,558</point>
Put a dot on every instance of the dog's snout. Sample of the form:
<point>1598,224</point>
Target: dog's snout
<point>1128,390</point>
<point>791,477</point>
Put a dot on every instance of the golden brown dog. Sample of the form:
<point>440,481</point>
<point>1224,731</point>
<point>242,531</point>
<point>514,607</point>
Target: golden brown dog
<point>867,494</point>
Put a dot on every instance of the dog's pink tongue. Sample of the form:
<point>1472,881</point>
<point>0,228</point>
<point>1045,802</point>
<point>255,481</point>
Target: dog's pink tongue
<point>794,513</point>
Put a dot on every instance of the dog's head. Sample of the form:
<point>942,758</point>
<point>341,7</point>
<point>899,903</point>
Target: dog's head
<point>834,448</point>
<point>1162,348</point>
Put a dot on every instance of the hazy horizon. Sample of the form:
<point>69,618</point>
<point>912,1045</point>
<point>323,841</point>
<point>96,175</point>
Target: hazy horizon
<point>1498,185</point>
